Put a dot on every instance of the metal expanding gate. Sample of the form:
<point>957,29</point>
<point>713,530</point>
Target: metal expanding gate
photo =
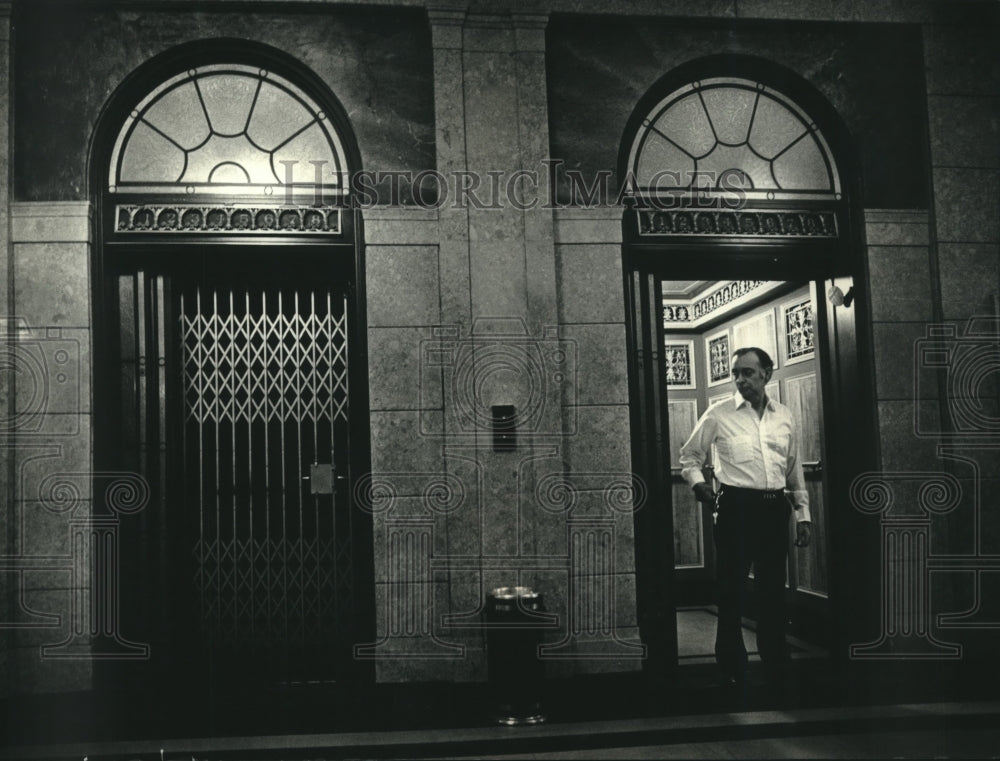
<point>265,439</point>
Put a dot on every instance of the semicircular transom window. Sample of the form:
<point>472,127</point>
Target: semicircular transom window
<point>228,129</point>
<point>726,134</point>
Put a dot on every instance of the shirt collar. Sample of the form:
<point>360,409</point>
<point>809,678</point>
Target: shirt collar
<point>739,401</point>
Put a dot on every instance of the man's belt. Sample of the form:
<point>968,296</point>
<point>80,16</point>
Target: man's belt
<point>761,494</point>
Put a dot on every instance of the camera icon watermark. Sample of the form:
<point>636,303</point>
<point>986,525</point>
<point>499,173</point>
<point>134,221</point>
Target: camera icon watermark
<point>969,366</point>
<point>43,367</point>
<point>499,378</point>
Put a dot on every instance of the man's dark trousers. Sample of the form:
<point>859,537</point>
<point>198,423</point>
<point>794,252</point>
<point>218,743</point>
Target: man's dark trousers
<point>751,529</point>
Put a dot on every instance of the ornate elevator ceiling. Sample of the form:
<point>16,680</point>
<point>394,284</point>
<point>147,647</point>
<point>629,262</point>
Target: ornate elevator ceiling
<point>685,289</point>
<point>696,303</point>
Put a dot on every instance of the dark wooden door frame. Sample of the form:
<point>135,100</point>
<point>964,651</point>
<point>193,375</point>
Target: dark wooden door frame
<point>148,530</point>
<point>848,393</point>
<point>850,430</point>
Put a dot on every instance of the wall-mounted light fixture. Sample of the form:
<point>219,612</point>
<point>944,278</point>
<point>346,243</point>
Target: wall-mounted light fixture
<point>838,298</point>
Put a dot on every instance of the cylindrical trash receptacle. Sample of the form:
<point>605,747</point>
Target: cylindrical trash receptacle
<point>516,673</point>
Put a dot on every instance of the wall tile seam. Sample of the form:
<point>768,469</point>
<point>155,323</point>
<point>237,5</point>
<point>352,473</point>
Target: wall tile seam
<point>53,241</point>
<point>591,213</point>
<point>45,222</point>
<point>898,216</point>
<point>427,436</point>
<point>888,214</point>
<point>382,410</point>
<point>988,170</point>
<point>962,93</point>
<point>400,234</point>
<point>977,96</point>
<point>45,208</point>
<point>37,328</point>
<point>613,246</point>
<point>903,322</point>
<point>410,326</point>
<point>897,222</point>
<point>916,248</point>
<point>475,50</point>
<point>613,323</point>
<point>914,12</point>
<point>408,243</point>
<point>593,405</point>
<point>589,244</point>
<point>909,245</point>
<point>895,233</point>
<point>938,23</point>
<point>995,169</point>
<point>430,242</point>
<point>921,241</point>
<point>412,214</point>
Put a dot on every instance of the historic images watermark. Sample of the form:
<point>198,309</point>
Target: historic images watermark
<point>520,189</point>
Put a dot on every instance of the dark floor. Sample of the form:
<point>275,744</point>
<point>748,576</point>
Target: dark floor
<point>820,710</point>
<point>930,730</point>
<point>825,709</point>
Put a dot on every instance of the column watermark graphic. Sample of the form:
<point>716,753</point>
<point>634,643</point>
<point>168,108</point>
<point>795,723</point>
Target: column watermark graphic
<point>907,559</point>
<point>92,562</point>
<point>959,367</point>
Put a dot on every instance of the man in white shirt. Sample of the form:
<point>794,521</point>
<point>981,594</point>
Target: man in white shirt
<point>756,461</point>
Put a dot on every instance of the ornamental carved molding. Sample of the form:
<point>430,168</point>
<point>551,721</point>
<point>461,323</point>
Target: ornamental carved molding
<point>250,220</point>
<point>737,224</point>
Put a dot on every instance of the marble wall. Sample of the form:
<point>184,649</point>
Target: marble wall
<point>376,61</point>
<point>474,92</point>
<point>599,68</point>
<point>963,103</point>
<point>930,273</point>
<point>489,296</point>
<point>50,501</point>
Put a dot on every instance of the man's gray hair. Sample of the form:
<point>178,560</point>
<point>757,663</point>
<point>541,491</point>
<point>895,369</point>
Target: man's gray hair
<point>766,362</point>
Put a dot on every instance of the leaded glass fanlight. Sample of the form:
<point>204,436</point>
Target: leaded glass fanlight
<point>716,135</point>
<point>229,130</point>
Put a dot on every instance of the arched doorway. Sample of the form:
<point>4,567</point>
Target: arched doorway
<point>232,374</point>
<point>744,216</point>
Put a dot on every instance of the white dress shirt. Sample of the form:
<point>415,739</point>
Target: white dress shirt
<point>751,452</point>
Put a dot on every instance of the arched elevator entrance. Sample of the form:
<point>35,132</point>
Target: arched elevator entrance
<point>743,231</point>
<point>232,373</point>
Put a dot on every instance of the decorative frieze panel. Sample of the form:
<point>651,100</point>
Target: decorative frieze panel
<point>254,220</point>
<point>691,311</point>
<point>738,224</point>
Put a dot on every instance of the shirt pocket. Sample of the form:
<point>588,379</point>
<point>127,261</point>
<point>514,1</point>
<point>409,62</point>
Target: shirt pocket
<point>778,444</point>
<point>737,449</point>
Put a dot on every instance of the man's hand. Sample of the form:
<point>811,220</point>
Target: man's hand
<point>703,493</point>
<point>803,533</point>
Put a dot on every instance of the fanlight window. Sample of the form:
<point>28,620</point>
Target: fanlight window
<point>720,134</point>
<point>228,130</point>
